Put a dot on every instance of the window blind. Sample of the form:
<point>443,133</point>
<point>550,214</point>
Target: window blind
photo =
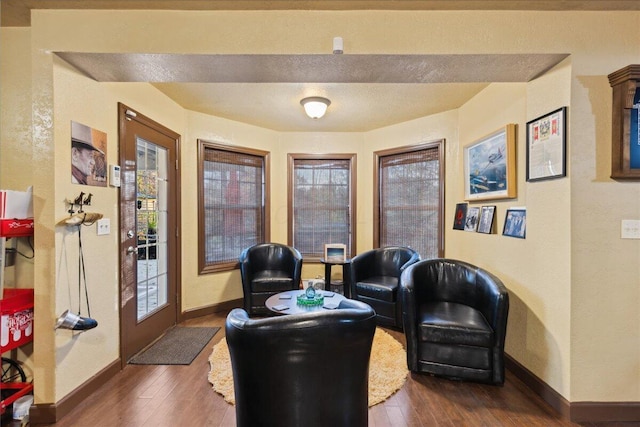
<point>321,204</point>
<point>410,200</point>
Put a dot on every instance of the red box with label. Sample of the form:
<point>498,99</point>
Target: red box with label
<point>16,321</point>
<point>16,227</point>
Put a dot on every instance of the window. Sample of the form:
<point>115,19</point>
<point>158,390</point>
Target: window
<point>409,198</point>
<point>232,203</point>
<point>321,202</point>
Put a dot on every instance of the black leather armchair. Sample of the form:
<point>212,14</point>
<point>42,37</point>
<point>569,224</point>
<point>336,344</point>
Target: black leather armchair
<point>375,276</point>
<point>455,320</point>
<point>266,269</point>
<point>308,369</point>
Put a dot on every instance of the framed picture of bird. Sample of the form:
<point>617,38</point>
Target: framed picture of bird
<point>490,166</point>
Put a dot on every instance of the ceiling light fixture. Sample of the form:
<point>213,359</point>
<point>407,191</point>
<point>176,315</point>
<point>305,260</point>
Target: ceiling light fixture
<point>315,106</point>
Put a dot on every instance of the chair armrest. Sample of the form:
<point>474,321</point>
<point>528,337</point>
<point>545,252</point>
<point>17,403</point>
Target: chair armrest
<point>494,303</point>
<point>414,258</point>
<point>359,269</point>
<point>409,316</point>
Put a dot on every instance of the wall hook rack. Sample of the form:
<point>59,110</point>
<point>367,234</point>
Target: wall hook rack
<point>77,215</point>
<point>79,201</point>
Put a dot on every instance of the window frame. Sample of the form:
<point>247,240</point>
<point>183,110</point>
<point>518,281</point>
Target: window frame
<point>203,145</point>
<point>377,158</point>
<point>352,158</point>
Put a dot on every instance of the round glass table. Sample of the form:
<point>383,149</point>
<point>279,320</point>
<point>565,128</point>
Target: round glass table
<point>287,302</point>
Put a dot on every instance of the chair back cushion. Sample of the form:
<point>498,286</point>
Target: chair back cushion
<point>459,282</point>
<point>391,260</point>
<point>309,369</point>
<point>270,256</point>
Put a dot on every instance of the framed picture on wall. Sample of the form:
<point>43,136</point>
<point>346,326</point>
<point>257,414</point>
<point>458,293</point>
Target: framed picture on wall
<point>460,217</point>
<point>490,166</point>
<point>485,224</point>
<point>547,146</point>
<point>515,223</point>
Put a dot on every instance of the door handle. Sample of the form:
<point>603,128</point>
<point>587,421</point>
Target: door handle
<point>132,250</point>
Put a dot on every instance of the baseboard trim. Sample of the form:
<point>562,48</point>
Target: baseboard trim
<point>49,413</point>
<point>574,411</point>
<point>605,411</point>
<point>211,309</point>
<point>539,387</point>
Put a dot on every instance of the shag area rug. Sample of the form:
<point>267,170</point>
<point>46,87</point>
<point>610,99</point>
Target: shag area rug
<point>387,369</point>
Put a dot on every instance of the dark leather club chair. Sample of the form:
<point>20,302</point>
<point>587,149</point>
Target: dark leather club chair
<point>375,278</point>
<point>267,269</point>
<point>308,369</point>
<point>455,320</point>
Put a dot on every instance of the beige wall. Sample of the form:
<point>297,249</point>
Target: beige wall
<point>575,284</point>
<point>85,101</point>
<point>201,291</point>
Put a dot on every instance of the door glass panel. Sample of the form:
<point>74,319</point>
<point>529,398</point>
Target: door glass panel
<point>151,226</point>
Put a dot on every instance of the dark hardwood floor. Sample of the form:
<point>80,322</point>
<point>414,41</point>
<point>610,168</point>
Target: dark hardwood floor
<point>159,396</point>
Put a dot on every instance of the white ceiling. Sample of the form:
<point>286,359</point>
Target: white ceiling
<point>366,91</point>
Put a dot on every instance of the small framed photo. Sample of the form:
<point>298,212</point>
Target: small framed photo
<point>485,224</point>
<point>335,252</point>
<point>515,223</point>
<point>461,216</point>
<point>547,146</point>
<point>471,221</point>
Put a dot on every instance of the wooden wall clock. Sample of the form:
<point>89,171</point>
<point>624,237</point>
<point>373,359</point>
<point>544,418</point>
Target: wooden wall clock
<point>625,143</point>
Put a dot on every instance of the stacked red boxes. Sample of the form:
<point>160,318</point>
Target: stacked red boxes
<point>16,322</point>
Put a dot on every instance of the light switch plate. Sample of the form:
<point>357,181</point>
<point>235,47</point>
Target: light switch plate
<point>104,226</point>
<point>630,229</point>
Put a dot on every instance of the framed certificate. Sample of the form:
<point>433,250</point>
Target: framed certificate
<point>546,146</point>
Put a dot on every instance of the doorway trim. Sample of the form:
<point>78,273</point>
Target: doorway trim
<point>146,121</point>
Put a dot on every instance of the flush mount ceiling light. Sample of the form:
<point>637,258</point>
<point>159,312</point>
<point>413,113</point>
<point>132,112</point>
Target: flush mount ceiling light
<point>315,106</point>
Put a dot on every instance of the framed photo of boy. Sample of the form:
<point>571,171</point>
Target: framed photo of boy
<point>515,223</point>
<point>335,252</point>
<point>485,225</point>
<point>547,146</point>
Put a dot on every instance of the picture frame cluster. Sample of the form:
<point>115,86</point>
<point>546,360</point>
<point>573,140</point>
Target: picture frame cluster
<point>481,219</point>
<point>489,168</point>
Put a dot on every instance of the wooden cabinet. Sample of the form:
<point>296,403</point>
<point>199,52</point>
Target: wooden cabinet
<point>625,142</point>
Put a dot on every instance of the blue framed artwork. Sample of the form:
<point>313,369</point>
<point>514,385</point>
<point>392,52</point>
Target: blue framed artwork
<point>490,166</point>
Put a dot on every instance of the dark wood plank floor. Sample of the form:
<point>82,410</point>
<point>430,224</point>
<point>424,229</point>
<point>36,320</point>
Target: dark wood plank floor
<point>159,396</point>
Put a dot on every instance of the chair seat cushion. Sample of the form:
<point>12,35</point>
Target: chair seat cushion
<point>271,281</point>
<point>452,323</point>
<point>383,288</point>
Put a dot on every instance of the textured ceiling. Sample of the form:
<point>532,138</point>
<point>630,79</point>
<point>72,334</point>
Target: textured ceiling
<point>366,91</point>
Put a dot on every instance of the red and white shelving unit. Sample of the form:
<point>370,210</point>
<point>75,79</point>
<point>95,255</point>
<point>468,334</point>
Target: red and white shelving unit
<point>16,314</point>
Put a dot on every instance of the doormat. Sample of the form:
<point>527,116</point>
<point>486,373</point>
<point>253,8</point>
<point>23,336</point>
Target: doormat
<point>179,346</point>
